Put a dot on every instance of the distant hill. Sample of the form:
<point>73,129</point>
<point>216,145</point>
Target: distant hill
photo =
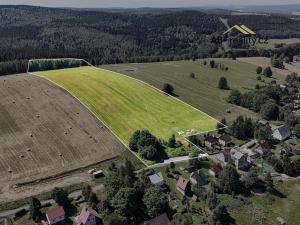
<point>105,36</point>
<point>273,9</point>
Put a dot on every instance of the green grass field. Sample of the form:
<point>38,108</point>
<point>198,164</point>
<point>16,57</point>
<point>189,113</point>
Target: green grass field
<point>126,104</point>
<point>202,92</point>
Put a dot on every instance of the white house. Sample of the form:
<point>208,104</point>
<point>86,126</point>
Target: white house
<point>88,216</point>
<point>239,158</point>
<point>281,133</point>
<point>157,179</point>
<point>56,215</point>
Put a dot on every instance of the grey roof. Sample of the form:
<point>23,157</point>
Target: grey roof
<point>284,130</point>
<point>199,177</point>
<point>236,154</point>
<point>156,178</point>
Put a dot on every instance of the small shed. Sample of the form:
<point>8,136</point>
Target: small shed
<point>157,179</point>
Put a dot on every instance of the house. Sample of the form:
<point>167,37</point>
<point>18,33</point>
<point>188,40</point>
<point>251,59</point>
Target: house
<point>252,155</point>
<point>240,159</point>
<point>160,220</point>
<point>286,151</point>
<point>157,179</point>
<point>281,133</point>
<point>55,215</point>
<point>198,178</point>
<point>296,58</point>
<point>210,141</point>
<point>215,170</point>
<point>88,216</point>
<point>263,148</point>
<point>182,185</point>
<point>225,140</point>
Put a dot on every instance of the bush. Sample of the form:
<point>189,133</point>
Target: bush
<point>223,83</point>
<point>259,70</point>
<point>270,111</point>
<point>168,88</point>
<point>192,75</point>
<point>268,72</point>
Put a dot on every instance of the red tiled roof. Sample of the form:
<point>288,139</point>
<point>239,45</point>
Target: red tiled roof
<point>264,145</point>
<point>55,213</point>
<point>85,214</point>
<point>160,220</point>
<point>182,183</point>
<point>217,168</point>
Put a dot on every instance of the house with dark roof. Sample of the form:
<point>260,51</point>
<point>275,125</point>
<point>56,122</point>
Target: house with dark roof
<point>225,140</point>
<point>215,170</point>
<point>182,185</point>
<point>263,148</point>
<point>240,159</point>
<point>160,220</point>
<point>55,215</point>
<point>282,132</point>
<point>198,178</point>
<point>210,141</point>
<point>157,179</point>
<point>88,216</point>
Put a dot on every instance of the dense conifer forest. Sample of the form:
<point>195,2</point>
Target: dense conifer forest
<point>103,37</point>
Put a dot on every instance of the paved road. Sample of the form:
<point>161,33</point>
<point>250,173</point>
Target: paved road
<point>74,194</point>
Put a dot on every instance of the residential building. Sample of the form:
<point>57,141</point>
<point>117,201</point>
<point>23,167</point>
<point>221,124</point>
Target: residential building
<point>182,185</point>
<point>215,170</point>
<point>198,178</point>
<point>157,179</point>
<point>88,216</point>
<point>210,141</point>
<point>252,155</point>
<point>263,148</point>
<point>160,220</point>
<point>240,159</point>
<point>55,215</point>
<point>281,133</point>
<point>225,140</point>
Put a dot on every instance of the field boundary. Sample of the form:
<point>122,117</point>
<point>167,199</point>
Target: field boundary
<point>140,81</point>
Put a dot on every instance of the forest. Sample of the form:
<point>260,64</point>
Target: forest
<point>104,37</point>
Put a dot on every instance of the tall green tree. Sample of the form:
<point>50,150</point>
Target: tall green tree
<point>229,180</point>
<point>251,178</point>
<point>156,201</point>
<point>34,209</point>
<point>223,84</point>
<point>268,72</point>
<point>220,215</point>
<point>126,202</point>
<point>168,88</point>
<point>60,197</point>
<point>259,70</point>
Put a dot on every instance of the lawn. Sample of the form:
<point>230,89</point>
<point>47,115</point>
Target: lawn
<point>127,104</point>
<point>201,92</point>
<point>262,210</point>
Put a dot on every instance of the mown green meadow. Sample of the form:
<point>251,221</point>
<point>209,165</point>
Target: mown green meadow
<point>126,104</point>
<point>201,92</point>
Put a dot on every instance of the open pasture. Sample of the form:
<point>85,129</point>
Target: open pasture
<point>44,131</point>
<point>127,104</point>
<point>201,92</point>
